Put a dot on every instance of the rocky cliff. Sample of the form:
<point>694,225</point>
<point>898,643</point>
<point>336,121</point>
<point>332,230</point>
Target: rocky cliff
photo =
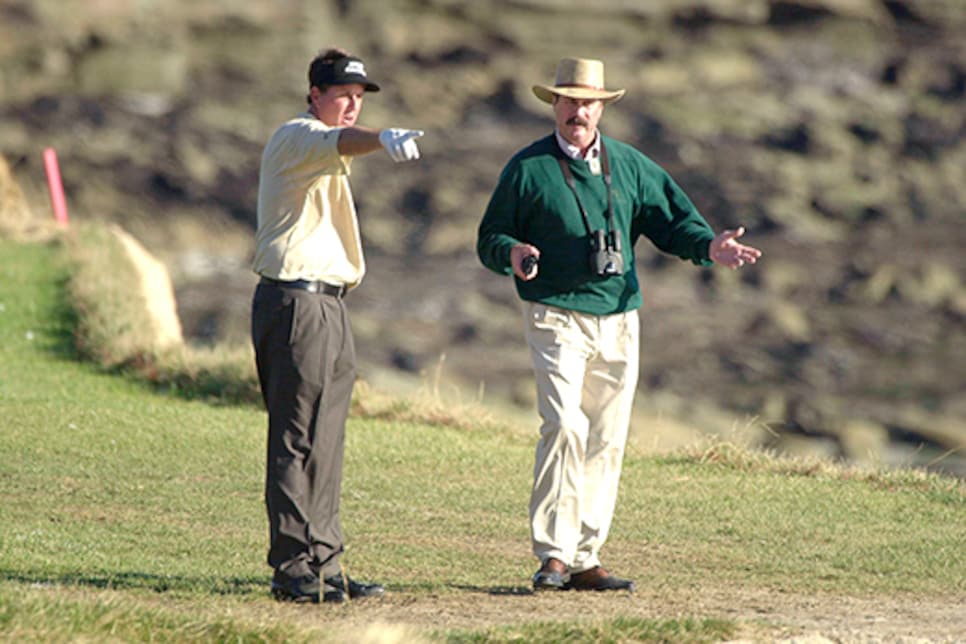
<point>831,129</point>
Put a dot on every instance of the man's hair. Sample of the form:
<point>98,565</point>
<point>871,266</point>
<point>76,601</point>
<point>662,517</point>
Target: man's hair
<point>324,57</point>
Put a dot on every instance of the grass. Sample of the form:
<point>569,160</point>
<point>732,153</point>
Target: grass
<point>129,514</point>
<point>114,330</point>
<point>613,631</point>
<point>832,530</point>
<point>43,614</point>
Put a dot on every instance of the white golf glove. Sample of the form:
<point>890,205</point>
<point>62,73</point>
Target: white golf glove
<point>400,144</point>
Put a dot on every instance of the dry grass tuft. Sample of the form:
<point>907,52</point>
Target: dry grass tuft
<point>727,454</point>
<point>150,280</point>
<point>127,320</point>
<point>425,407</point>
<point>114,326</point>
<point>124,322</point>
<point>379,633</point>
<point>17,220</point>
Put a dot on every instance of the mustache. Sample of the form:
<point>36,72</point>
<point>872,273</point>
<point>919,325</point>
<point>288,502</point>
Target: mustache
<point>576,120</point>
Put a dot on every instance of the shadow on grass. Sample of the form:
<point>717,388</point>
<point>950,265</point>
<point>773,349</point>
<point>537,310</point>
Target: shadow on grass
<point>511,591</point>
<point>507,591</point>
<point>501,591</point>
<point>143,581</point>
<point>212,388</point>
<point>63,327</point>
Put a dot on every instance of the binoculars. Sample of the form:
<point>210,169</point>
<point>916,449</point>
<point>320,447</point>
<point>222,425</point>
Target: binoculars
<point>605,254</point>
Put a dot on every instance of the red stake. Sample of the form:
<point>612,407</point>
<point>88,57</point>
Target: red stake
<point>57,199</point>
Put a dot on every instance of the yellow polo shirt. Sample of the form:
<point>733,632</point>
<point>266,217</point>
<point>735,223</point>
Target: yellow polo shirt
<point>307,224</point>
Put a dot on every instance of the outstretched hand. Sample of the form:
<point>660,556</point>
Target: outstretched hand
<point>725,250</point>
<point>400,144</point>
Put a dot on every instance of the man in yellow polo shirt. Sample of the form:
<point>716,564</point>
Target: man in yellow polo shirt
<point>309,254</point>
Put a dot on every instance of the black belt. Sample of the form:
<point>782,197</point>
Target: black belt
<point>308,285</point>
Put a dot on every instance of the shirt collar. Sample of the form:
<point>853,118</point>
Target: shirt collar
<point>573,151</point>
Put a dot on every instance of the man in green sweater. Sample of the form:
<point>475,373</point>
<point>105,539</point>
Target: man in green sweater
<point>563,220</point>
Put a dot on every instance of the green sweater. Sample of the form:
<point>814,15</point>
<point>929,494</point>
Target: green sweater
<point>533,204</point>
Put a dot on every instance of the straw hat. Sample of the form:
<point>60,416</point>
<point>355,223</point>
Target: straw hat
<point>578,78</point>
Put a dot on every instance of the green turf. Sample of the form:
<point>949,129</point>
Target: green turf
<point>114,495</point>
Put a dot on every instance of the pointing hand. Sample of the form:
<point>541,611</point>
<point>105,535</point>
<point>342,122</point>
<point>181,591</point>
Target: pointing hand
<point>400,144</point>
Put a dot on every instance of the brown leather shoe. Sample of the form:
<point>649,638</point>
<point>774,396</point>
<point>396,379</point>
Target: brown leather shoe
<point>551,576</point>
<point>598,579</point>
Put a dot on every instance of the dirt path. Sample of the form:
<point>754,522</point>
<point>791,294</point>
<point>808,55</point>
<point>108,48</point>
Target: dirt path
<point>763,615</point>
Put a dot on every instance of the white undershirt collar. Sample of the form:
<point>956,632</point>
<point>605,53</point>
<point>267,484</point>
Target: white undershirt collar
<point>573,151</point>
<point>593,152</point>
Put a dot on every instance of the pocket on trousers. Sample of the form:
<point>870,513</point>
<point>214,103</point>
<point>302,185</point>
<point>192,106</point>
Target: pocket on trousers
<point>547,318</point>
<point>271,315</point>
<point>293,322</point>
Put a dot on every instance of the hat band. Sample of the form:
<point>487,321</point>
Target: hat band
<point>582,86</point>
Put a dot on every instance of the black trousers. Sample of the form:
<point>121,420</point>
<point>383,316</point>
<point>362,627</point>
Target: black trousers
<point>305,356</point>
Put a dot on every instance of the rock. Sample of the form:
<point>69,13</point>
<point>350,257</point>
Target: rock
<point>805,447</point>
<point>790,139</point>
<point>931,284</point>
<point>956,306</point>
<point>864,441</point>
<point>926,426</point>
<point>784,319</point>
<point>881,284</point>
<point>523,393</point>
<point>925,137</point>
<point>161,71</point>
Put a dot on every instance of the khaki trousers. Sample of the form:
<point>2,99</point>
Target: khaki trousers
<point>586,374</point>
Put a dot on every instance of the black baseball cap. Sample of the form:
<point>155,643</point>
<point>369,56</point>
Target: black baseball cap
<point>341,71</point>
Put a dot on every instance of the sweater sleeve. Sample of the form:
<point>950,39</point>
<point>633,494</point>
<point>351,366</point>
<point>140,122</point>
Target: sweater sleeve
<point>498,230</point>
<point>672,223</point>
